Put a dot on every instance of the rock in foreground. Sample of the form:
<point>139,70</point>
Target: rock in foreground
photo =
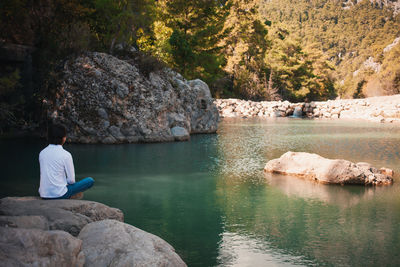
<point>126,246</point>
<point>35,232</point>
<point>102,99</point>
<point>66,215</point>
<point>330,171</point>
<point>33,247</point>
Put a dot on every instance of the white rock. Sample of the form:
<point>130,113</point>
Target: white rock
<point>317,168</point>
<point>335,116</point>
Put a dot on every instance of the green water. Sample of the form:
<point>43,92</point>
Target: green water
<point>210,199</point>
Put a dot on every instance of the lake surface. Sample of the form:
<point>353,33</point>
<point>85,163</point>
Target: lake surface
<point>210,199</point>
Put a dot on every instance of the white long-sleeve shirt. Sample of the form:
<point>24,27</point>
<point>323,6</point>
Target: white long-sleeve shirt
<point>56,171</point>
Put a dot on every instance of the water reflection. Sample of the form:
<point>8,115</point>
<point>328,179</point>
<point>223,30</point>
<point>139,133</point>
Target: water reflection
<point>211,201</point>
<point>313,224</point>
<point>241,250</point>
<point>309,231</point>
<point>343,196</point>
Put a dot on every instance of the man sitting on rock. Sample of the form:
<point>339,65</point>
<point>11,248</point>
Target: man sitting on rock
<point>57,174</point>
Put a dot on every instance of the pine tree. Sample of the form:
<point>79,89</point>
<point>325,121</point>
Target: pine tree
<point>344,36</point>
<point>121,21</point>
<point>245,48</point>
<point>197,27</point>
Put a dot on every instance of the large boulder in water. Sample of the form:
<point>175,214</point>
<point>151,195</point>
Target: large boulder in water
<point>330,171</point>
<point>102,99</point>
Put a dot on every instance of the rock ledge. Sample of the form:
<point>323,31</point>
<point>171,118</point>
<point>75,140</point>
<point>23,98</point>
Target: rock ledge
<point>39,232</point>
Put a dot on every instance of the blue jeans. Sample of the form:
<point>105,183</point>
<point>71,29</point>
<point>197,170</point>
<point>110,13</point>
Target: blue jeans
<point>76,188</point>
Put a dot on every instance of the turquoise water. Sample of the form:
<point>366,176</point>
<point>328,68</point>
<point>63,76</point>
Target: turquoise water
<point>210,199</point>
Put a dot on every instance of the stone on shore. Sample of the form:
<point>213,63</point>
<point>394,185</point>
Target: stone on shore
<point>112,243</point>
<point>377,109</point>
<point>180,133</point>
<point>330,171</point>
<point>66,215</point>
<point>33,247</point>
<point>103,99</point>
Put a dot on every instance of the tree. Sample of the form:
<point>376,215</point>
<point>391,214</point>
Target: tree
<point>297,73</point>
<point>121,21</point>
<point>197,27</point>
<point>245,48</point>
<point>344,35</point>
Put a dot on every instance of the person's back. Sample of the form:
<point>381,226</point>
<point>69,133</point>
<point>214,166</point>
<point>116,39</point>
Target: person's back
<point>57,174</point>
<point>56,171</point>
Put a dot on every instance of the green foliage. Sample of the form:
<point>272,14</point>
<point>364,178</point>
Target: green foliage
<point>387,80</point>
<point>157,42</point>
<point>182,52</point>
<point>358,93</point>
<point>299,73</point>
<point>346,36</point>
<point>389,76</point>
<point>190,32</point>
<point>245,47</point>
<point>292,70</point>
<point>9,82</point>
<point>262,50</point>
<point>11,97</point>
<point>120,21</point>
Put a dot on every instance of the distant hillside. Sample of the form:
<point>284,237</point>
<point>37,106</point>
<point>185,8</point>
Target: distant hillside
<point>392,4</point>
<point>358,37</point>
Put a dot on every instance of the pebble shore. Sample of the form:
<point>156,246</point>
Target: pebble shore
<point>378,109</point>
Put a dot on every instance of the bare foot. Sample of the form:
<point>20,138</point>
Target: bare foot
<point>77,196</point>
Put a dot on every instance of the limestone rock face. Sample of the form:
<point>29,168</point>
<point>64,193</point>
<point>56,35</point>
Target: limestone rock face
<point>33,247</point>
<point>336,171</point>
<point>103,99</point>
<point>112,243</point>
<point>67,215</point>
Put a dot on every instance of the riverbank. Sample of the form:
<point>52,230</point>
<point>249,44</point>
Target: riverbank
<point>75,233</point>
<point>379,109</point>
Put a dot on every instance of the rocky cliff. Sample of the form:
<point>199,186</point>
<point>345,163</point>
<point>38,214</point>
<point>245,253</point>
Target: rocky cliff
<point>102,99</point>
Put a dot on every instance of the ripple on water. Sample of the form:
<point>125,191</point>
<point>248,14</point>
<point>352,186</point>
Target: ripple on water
<point>210,199</point>
<point>307,223</point>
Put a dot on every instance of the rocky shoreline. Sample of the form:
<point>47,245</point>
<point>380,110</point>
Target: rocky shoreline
<point>379,109</point>
<point>35,232</point>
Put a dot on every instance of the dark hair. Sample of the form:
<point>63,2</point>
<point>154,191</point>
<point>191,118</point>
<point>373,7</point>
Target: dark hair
<point>56,133</point>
